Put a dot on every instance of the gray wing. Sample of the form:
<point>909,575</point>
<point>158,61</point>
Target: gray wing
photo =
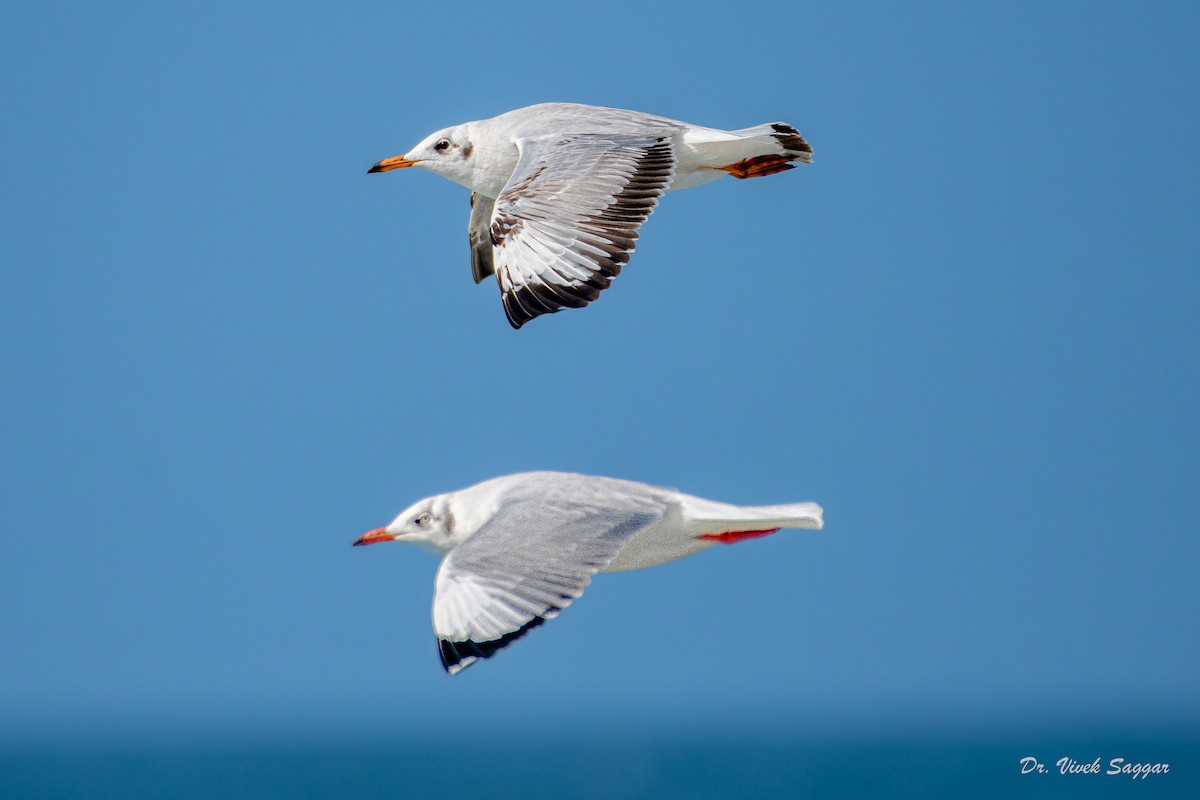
<point>479,232</point>
<point>521,568</point>
<point>567,219</point>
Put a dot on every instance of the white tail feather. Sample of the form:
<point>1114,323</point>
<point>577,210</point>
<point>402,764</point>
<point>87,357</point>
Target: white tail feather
<point>795,515</point>
<point>728,517</point>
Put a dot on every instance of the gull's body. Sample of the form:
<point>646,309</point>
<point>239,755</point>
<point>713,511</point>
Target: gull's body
<point>518,549</point>
<point>559,189</point>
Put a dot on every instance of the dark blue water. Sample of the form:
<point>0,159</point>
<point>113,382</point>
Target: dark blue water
<point>529,768</point>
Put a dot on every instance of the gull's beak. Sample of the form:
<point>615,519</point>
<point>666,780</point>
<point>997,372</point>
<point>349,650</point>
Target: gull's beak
<point>399,162</point>
<point>375,536</point>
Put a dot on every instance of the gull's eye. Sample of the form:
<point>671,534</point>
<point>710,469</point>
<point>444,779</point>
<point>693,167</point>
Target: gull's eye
<point>442,145</point>
<point>424,519</point>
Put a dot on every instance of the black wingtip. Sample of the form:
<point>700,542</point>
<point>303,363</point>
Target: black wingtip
<point>516,315</point>
<point>457,656</point>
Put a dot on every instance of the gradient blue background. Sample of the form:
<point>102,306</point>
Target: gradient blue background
<point>968,330</point>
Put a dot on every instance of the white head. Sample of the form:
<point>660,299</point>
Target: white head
<point>428,524</point>
<point>448,152</point>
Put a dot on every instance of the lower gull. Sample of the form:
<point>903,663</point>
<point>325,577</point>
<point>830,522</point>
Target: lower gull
<point>518,549</point>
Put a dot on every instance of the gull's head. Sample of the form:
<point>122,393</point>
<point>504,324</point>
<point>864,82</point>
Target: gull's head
<point>447,152</point>
<point>427,524</point>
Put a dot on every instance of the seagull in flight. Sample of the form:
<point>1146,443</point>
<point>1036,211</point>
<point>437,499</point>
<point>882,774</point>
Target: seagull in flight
<point>517,550</point>
<point>559,190</point>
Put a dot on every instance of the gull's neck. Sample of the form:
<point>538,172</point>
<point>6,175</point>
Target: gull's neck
<point>494,156</point>
<point>472,508</point>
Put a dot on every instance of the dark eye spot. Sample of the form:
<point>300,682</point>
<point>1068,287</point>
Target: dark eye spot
<point>442,145</point>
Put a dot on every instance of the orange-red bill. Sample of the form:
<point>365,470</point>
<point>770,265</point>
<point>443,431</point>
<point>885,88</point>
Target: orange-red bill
<point>398,162</point>
<point>374,537</point>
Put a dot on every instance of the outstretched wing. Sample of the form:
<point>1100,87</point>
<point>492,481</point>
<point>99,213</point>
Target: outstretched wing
<point>520,569</point>
<point>567,220</point>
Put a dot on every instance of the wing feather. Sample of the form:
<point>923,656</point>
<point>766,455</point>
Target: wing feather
<point>568,219</point>
<point>480,236</point>
<point>527,563</point>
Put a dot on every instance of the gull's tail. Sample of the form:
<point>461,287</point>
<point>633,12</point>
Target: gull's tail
<point>725,523</point>
<point>751,152</point>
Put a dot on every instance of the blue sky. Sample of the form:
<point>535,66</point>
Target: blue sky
<point>968,330</point>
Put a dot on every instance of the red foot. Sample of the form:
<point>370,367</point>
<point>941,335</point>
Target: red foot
<point>759,166</point>
<point>729,537</point>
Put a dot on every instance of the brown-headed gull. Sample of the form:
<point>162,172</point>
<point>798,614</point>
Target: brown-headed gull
<point>559,189</point>
<point>518,549</point>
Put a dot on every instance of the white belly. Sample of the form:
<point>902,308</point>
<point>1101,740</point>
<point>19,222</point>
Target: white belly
<point>699,154</point>
<point>669,539</point>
